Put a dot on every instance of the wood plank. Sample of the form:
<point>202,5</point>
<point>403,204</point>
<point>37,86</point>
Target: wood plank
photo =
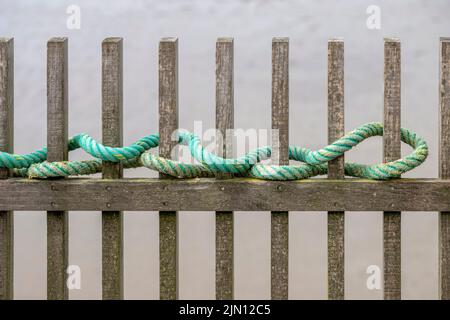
<point>168,123</point>
<point>336,129</point>
<point>224,122</point>
<point>392,151</point>
<point>6,144</point>
<point>444,166</point>
<point>112,127</point>
<point>238,194</point>
<point>280,153</point>
<point>57,137</point>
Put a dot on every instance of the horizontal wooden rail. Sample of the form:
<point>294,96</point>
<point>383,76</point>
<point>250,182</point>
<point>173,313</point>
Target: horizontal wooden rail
<point>80,194</point>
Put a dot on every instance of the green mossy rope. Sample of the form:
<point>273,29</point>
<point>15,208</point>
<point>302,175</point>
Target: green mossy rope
<point>34,165</point>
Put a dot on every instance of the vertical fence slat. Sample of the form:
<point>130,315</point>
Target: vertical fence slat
<point>112,127</point>
<point>336,219</point>
<point>280,122</point>
<point>392,151</point>
<point>168,123</point>
<point>444,166</point>
<point>6,144</point>
<point>57,136</point>
<point>224,121</point>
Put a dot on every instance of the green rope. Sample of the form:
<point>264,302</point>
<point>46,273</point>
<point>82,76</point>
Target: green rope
<point>312,163</point>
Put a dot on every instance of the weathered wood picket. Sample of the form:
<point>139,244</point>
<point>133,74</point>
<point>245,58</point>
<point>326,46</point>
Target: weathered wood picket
<point>224,195</point>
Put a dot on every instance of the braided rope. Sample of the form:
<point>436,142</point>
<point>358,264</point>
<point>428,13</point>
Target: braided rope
<point>312,163</point>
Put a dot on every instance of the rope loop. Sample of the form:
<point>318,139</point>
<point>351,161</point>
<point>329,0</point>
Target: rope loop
<point>312,163</point>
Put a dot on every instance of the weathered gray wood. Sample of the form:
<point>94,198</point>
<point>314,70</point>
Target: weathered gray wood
<point>224,96</point>
<point>238,194</point>
<point>6,144</point>
<point>336,129</point>
<point>444,166</point>
<point>280,147</point>
<point>392,151</point>
<point>112,126</point>
<point>168,123</point>
<point>57,136</point>
<point>224,122</point>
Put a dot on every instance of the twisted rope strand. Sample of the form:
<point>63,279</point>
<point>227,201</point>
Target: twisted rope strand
<point>312,163</point>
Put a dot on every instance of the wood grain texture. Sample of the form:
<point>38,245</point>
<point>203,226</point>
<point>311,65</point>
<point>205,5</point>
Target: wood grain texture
<point>238,194</point>
<point>444,166</point>
<point>57,137</point>
<point>224,122</point>
<point>280,154</point>
<point>168,123</point>
<point>392,151</point>
<point>6,144</point>
<point>112,127</point>
<point>336,129</point>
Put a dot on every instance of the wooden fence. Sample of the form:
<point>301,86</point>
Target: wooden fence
<point>112,194</point>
